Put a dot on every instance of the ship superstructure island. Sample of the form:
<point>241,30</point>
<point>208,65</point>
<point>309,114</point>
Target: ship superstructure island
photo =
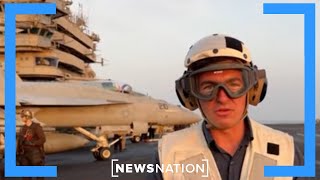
<point>52,47</point>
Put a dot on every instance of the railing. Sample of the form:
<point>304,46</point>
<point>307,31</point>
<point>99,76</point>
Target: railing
<point>39,71</point>
<point>29,40</point>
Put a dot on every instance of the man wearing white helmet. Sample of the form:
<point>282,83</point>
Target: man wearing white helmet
<point>222,81</point>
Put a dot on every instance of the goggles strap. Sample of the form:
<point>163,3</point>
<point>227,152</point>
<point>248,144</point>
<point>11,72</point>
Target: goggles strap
<point>245,112</point>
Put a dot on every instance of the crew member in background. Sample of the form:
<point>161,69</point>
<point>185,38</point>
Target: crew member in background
<point>31,141</point>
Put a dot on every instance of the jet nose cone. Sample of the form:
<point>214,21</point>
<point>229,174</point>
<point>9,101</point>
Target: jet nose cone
<point>192,118</point>
<point>177,115</point>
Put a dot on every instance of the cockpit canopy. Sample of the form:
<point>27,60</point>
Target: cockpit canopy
<point>111,85</point>
<point>116,86</point>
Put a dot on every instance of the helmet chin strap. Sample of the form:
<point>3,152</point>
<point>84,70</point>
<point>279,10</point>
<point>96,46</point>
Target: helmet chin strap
<point>210,125</point>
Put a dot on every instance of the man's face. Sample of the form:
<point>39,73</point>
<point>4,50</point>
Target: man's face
<point>24,119</point>
<point>222,111</point>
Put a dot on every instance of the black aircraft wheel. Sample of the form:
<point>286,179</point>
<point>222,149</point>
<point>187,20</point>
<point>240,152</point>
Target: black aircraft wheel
<point>104,153</point>
<point>136,139</point>
<point>96,155</point>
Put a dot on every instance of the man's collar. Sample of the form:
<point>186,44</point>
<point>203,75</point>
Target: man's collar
<point>248,134</point>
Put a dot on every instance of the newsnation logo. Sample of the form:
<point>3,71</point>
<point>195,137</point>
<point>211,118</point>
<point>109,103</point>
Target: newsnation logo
<point>127,168</point>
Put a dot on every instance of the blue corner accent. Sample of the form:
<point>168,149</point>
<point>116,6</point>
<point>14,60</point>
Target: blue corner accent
<point>11,10</point>
<point>308,10</point>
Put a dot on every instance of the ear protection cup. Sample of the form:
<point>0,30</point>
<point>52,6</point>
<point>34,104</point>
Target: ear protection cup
<point>258,92</point>
<point>185,98</point>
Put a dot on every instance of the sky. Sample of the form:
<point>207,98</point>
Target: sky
<point>144,43</point>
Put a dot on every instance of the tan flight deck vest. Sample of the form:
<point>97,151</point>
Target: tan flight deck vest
<point>189,146</point>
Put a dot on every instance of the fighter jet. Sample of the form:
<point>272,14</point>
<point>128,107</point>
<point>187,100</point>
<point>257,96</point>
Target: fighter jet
<point>80,106</point>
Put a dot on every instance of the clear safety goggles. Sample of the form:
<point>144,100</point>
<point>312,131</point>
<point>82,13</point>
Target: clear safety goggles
<point>236,84</point>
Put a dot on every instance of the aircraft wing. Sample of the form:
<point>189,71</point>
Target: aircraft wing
<point>64,101</point>
<point>64,94</point>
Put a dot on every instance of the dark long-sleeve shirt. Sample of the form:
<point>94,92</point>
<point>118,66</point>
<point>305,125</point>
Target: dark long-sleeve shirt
<point>31,136</point>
